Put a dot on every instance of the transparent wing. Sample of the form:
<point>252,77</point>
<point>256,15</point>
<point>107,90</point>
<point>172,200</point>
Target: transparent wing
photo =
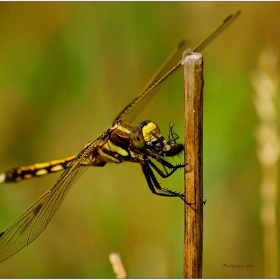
<point>169,66</point>
<point>172,63</point>
<point>35,219</point>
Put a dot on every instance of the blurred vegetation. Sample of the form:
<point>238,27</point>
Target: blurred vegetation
<point>66,70</point>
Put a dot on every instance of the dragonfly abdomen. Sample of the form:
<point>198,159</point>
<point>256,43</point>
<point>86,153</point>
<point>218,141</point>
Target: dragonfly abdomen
<point>18,174</point>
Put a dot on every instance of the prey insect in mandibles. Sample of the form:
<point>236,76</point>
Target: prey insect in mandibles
<point>120,143</point>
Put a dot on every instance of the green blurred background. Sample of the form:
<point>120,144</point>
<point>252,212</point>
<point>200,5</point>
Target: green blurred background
<point>66,70</point>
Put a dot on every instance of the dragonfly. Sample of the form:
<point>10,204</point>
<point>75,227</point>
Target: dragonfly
<point>122,142</point>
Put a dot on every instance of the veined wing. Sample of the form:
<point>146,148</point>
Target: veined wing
<point>151,87</point>
<point>167,69</point>
<point>170,61</point>
<point>34,220</point>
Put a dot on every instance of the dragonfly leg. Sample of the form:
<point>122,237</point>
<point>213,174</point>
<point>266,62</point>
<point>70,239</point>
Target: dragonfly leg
<point>172,135</point>
<point>165,164</point>
<point>155,186</point>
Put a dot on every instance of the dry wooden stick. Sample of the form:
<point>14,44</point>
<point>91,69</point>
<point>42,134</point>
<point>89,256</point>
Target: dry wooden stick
<point>117,265</point>
<point>193,86</point>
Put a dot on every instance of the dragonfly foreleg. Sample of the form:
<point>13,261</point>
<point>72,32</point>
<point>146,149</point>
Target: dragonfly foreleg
<point>165,164</point>
<point>172,135</point>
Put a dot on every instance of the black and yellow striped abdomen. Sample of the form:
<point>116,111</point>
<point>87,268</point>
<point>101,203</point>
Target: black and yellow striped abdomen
<point>18,174</point>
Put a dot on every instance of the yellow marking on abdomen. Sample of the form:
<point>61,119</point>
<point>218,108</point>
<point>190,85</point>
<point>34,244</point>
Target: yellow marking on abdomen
<point>56,168</point>
<point>26,168</point>
<point>56,162</point>
<point>41,172</point>
<point>41,165</point>
<point>26,176</point>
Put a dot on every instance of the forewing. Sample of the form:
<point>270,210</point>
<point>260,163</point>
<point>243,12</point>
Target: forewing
<point>172,63</point>
<point>169,66</point>
<point>35,219</point>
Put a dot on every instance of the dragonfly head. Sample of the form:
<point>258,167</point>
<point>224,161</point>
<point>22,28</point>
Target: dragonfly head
<point>146,135</point>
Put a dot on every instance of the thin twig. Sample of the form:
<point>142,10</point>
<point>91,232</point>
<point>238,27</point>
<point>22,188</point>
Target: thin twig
<point>117,265</point>
<point>193,84</point>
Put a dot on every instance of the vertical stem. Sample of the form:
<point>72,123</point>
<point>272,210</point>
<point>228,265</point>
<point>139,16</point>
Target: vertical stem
<point>266,84</point>
<point>193,86</point>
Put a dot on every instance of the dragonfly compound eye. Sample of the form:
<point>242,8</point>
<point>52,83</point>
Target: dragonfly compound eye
<point>137,138</point>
